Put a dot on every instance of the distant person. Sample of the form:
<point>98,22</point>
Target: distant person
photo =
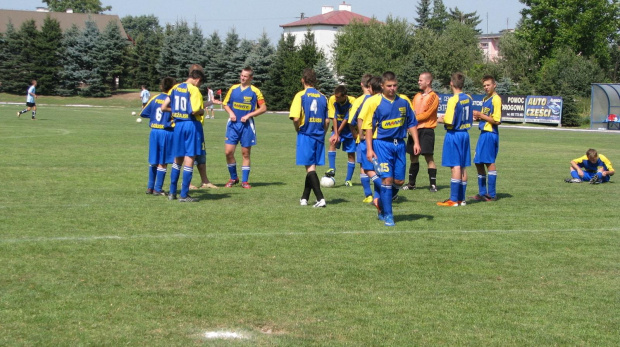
<point>160,139</point>
<point>144,95</point>
<point>210,102</point>
<point>309,115</point>
<point>425,105</point>
<point>338,107</point>
<point>487,147</point>
<point>30,100</point>
<point>592,167</point>
<point>243,102</point>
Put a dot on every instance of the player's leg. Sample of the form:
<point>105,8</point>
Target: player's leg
<point>175,173</point>
<point>160,176</point>
<point>482,182</point>
<point>414,166</point>
<point>492,177</point>
<point>331,159</point>
<point>188,172</point>
<point>229,150</point>
<point>427,145</point>
<point>245,169</point>
<point>432,172</point>
<point>34,111</point>
<point>350,169</point>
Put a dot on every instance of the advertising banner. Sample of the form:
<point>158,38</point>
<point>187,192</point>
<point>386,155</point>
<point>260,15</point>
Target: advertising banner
<point>543,109</point>
<point>513,108</point>
<point>443,102</point>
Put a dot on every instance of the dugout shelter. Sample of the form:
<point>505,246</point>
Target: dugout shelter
<point>605,101</point>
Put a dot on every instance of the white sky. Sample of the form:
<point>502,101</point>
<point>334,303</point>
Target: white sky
<point>250,18</point>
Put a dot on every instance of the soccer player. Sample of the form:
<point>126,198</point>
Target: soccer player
<point>387,117</point>
<point>338,107</point>
<point>425,104</point>
<point>243,102</point>
<point>210,102</point>
<point>487,147</point>
<point>457,122</point>
<point>144,96</point>
<point>309,114</point>
<point>160,139</point>
<point>185,102</point>
<point>30,100</point>
<point>592,167</point>
<point>367,171</point>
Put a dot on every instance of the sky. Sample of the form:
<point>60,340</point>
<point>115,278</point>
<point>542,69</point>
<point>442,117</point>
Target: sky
<point>250,17</point>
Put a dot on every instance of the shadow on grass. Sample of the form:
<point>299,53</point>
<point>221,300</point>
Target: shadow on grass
<point>412,217</point>
<point>500,196</point>
<point>265,184</point>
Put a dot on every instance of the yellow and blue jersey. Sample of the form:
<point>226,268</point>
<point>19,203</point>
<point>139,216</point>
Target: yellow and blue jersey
<point>340,112</point>
<point>158,118</point>
<point>243,100</point>
<point>388,119</point>
<point>586,165</point>
<point>310,106</point>
<point>354,113</point>
<point>492,107</point>
<point>185,99</point>
<point>459,114</point>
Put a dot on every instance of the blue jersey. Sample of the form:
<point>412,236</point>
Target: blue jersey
<point>459,114</point>
<point>602,162</point>
<point>310,106</point>
<point>158,119</point>
<point>492,107</point>
<point>185,99</point>
<point>388,119</point>
<point>29,96</point>
<point>243,100</point>
<point>340,112</point>
<point>356,108</point>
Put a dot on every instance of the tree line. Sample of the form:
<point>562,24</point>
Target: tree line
<point>558,48</point>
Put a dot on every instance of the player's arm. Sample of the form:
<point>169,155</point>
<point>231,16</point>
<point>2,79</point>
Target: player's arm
<point>165,107</point>
<point>610,170</point>
<point>430,108</point>
<point>295,111</point>
<point>262,108</point>
<point>416,141</point>
<point>448,117</point>
<point>576,167</point>
<point>231,114</point>
<point>195,99</point>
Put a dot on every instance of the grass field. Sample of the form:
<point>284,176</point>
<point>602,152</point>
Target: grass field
<point>89,259</point>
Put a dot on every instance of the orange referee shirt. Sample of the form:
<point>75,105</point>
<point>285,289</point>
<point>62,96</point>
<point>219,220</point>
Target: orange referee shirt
<point>425,107</point>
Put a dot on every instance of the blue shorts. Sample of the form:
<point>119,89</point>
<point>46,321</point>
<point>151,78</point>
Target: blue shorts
<point>487,148</point>
<point>160,147</point>
<point>588,176</point>
<point>456,149</point>
<point>361,157</point>
<point>241,132</point>
<point>188,139</point>
<point>347,144</point>
<point>310,151</point>
<point>392,157</point>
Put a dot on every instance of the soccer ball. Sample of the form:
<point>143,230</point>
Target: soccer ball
<point>133,113</point>
<point>139,120</point>
<point>327,182</point>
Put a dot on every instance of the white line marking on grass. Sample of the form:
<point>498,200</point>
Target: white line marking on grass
<point>283,233</point>
<point>224,335</point>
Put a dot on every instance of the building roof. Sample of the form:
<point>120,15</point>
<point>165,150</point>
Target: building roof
<point>335,18</point>
<point>66,20</point>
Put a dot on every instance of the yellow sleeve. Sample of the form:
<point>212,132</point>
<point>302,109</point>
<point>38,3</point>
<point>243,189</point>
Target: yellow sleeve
<point>331,110</point>
<point>448,118</point>
<point>368,110</point>
<point>295,111</point>
<point>195,98</point>
<point>227,98</point>
<point>580,159</point>
<point>354,106</point>
<point>497,108</point>
<point>607,162</point>
<point>259,96</point>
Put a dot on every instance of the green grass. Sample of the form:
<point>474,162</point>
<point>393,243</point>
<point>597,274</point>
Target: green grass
<point>89,259</point>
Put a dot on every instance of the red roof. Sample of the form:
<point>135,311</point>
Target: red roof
<point>339,18</point>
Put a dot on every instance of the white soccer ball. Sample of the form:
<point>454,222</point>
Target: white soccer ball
<point>327,182</point>
<point>133,113</point>
<point>139,120</point>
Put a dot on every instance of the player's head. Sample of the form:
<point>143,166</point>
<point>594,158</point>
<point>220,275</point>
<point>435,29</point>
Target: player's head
<point>489,84</point>
<point>364,81</point>
<point>33,82</point>
<point>457,80</point>
<point>390,84</point>
<point>340,93</point>
<point>308,77</point>
<point>195,67</point>
<point>143,86</point>
<point>425,80</point>
<point>246,76</point>
<point>197,77</point>
<point>166,84</point>
<point>374,84</point>
<point>592,155</point>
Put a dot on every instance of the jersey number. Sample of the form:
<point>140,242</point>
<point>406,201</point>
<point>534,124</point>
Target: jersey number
<point>465,116</point>
<point>158,115</point>
<point>180,103</point>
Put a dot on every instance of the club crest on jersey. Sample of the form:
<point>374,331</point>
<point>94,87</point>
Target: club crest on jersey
<point>392,123</point>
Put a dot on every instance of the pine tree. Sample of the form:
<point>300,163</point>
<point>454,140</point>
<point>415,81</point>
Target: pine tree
<point>424,13</point>
<point>47,60</point>
<point>326,83</point>
<point>166,64</point>
<point>70,60</point>
<point>89,72</point>
<point>232,63</point>
<point>309,52</point>
<point>111,48</point>
<point>141,65</point>
<point>470,19</point>
<point>10,65</point>
<point>215,64</point>
<point>260,59</point>
<point>439,17</point>
<point>285,74</point>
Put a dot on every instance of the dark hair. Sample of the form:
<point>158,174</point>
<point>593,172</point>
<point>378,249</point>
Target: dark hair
<point>340,90</point>
<point>249,69</point>
<point>167,83</point>
<point>375,83</point>
<point>195,67</point>
<point>488,77</point>
<point>309,76</point>
<point>197,75</point>
<point>365,78</point>
<point>458,80</point>
<point>591,153</point>
<point>389,76</point>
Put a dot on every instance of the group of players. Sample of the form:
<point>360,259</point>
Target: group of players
<point>176,121</point>
<point>373,128</point>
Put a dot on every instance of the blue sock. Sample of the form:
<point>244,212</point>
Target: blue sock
<point>386,200</point>
<point>350,170</point>
<point>462,191</point>
<point>332,159</point>
<point>482,184</point>
<point>492,183</point>
<point>152,174</point>
<point>574,174</point>
<point>188,172</point>
<point>175,173</point>
<point>159,179</point>
<point>245,173</point>
<point>366,184</point>
<point>455,188</point>
<point>376,181</point>
<point>232,169</point>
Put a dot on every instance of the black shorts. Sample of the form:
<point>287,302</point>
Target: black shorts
<point>30,104</point>
<point>427,141</point>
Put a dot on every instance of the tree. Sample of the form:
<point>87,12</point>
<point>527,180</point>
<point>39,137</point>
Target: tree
<point>232,59</point>
<point>141,65</point>
<point>424,13</point>
<point>12,79</point>
<point>439,18</point>
<point>70,60</point>
<point>470,19</point>
<point>89,71</point>
<point>326,83</point>
<point>47,65</point>
<point>215,66</point>
<point>285,74</point>
<point>309,52</point>
<point>79,6</point>
<point>260,59</point>
<point>110,50</point>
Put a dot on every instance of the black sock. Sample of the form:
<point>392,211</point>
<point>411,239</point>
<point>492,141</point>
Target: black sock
<point>432,176</point>
<point>414,168</point>
<point>316,185</point>
<point>307,188</point>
